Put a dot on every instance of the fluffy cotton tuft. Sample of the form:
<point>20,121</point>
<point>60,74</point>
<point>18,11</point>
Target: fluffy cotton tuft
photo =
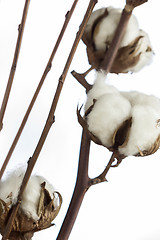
<point>99,88</point>
<point>138,98</point>
<point>31,194</point>
<point>108,113</point>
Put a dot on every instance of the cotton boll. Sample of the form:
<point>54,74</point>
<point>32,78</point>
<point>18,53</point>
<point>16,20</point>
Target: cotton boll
<point>31,194</point>
<point>105,29</point>
<point>135,50</point>
<point>144,130</point>
<point>107,115</point>
<point>99,88</point>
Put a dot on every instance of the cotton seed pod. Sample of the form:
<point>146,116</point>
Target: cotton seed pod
<point>125,122</point>
<point>24,226</point>
<point>135,49</point>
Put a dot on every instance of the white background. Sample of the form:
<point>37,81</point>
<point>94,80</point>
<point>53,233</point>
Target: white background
<point>127,207</point>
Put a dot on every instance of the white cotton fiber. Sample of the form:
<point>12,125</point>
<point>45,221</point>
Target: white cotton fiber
<point>109,111</point>
<point>138,98</point>
<point>105,30</point>
<point>11,185</point>
<point>99,88</point>
<point>144,130</point>
<point>31,194</point>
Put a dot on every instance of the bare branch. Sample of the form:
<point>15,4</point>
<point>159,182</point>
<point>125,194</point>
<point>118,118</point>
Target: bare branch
<point>47,69</point>
<point>14,63</point>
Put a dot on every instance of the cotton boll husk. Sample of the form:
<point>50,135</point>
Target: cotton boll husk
<point>105,30</point>
<point>143,99</point>
<point>99,88</point>
<point>145,51</point>
<point>108,113</point>
<point>144,130</point>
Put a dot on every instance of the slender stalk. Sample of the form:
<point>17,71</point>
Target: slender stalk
<point>14,63</point>
<point>82,185</point>
<point>47,69</point>
<point>49,121</point>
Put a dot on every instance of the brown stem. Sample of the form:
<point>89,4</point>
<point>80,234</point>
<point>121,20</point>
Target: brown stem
<point>49,121</point>
<point>47,69</point>
<point>14,63</point>
<point>82,185</point>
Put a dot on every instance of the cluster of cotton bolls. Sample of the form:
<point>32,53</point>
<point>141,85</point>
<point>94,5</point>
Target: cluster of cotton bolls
<point>135,113</point>
<point>135,49</point>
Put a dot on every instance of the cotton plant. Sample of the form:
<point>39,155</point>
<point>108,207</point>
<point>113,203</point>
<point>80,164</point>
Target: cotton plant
<point>39,206</point>
<point>135,50</point>
<point>126,122</point>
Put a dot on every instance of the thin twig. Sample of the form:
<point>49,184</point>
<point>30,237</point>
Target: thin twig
<point>14,63</point>
<point>49,121</point>
<point>47,69</point>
